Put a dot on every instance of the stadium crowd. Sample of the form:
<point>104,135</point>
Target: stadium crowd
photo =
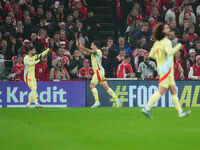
<point>57,24</point>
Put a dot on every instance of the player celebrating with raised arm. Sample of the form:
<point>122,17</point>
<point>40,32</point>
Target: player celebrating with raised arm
<point>30,61</point>
<point>163,53</point>
<point>98,77</point>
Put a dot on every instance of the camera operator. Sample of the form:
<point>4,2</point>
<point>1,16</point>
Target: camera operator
<point>147,68</point>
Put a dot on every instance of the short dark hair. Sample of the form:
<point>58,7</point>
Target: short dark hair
<point>109,38</point>
<point>29,48</point>
<point>97,44</point>
<point>158,32</point>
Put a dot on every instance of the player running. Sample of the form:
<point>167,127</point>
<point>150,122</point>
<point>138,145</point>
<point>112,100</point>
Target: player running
<point>30,61</point>
<point>98,77</point>
<point>163,53</point>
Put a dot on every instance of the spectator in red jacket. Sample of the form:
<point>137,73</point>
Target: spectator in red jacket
<point>73,3</point>
<point>125,69</point>
<point>61,53</point>
<point>86,71</point>
<point>178,69</point>
<point>82,10</point>
<point>43,37</point>
<point>194,73</point>
<point>18,69</point>
<point>66,51</point>
<point>41,71</point>
<point>121,55</point>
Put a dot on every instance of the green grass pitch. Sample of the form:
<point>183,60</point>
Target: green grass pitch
<point>97,129</point>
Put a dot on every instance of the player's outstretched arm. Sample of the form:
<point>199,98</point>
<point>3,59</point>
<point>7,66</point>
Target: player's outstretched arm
<point>38,56</point>
<point>44,53</point>
<point>83,48</point>
<point>30,62</point>
<point>172,50</point>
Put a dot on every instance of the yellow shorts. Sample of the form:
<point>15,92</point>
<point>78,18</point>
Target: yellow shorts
<point>167,82</point>
<point>31,82</point>
<point>98,77</point>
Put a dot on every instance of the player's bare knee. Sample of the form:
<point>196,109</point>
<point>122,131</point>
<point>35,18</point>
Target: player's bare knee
<point>162,90</point>
<point>92,86</point>
<point>173,90</point>
<point>105,86</point>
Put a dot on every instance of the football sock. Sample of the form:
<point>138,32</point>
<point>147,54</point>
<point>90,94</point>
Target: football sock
<point>95,94</point>
<point>30,98</point>
<point>35,99</point>
<point>112,93</point>
<point>154,98</point>
<point>176,103</point>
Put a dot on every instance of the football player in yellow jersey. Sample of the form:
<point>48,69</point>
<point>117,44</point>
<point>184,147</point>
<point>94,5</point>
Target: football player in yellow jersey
<point>30,61</point>
<point>163,53</point>
<point>98,77</point>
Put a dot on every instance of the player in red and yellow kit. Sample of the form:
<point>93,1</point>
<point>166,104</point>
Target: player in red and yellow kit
<point>98,77</point>
<point>163,53</point>
<point>30,61</point>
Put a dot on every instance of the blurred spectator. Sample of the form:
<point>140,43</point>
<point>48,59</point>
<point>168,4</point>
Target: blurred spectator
<point>59,72</point>
<point>125,69</point>
<point>73,3</point>
<point>178,70</point>
<point>2,67</point>
<point>143,32</point>
<point>119,14</point>
<point>122,45</point>
<point>15,44</point>
<point>147,68</point>
<point>187,14</point>
<point>8,28</point>
<point>192,35</point>
<point>18,69</point>
<point>197,47</point>
<point>75,64</point>
<point>41,70</point>
<point>20,31</point>
<point>7,54</point>
<point>138,55</point>
<point>170,14</point>
<point>134,19</point>
<point>173,27</point>
<point>91,25</point>
<point>121,56</point>
<point>28,26</point>
<point>192,57</point>
<point>43,38</point>
<point>151,4</point>
<point>86,71</point>
<point>111,58</point>
<point>107,63</point>
<point>194,73</point>
<point>155,17</point>
<point>113,52</point>
<point>82,10</point>
<point>37,44</point>
<point>63,55</point>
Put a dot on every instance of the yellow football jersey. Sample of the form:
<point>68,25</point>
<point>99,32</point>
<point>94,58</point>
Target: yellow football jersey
<point>96,61</point>
<point>30,62</point>
<point>163,53</point>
